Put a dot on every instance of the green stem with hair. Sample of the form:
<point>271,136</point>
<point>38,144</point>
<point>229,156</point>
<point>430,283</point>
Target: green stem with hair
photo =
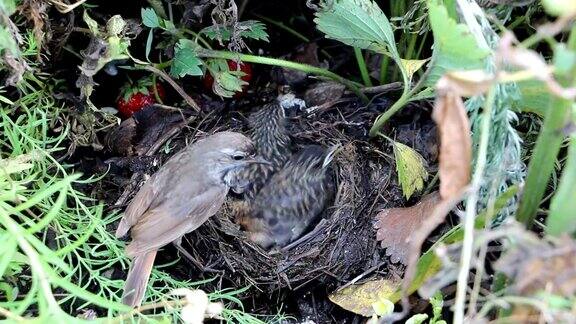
<point>353,86</point>
<point>407,93</point>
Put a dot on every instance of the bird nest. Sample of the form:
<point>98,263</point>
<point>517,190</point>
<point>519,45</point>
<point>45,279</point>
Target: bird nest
<point>340,246</point>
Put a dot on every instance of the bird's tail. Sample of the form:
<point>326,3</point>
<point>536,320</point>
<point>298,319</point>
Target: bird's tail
<point>137,279</point>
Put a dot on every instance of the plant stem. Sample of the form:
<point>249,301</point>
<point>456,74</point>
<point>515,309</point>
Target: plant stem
<point>471,203</point>
<point>546,149</point>
<point>384,68</point>
<point>411,46</point>
<point>286,64</point>
<point>197,36</point>
<point>362,67</point>
<point>407,93</point>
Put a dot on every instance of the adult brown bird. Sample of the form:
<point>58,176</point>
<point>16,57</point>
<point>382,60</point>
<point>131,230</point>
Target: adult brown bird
<point>177,199</point>
<point>292,198</point>
<point>272,143</point>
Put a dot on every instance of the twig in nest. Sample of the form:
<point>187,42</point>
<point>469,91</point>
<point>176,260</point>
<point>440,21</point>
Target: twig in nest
<point>64,7</point>
<point>382,88</point>
<point>174,85</point>
<point>169,134</point>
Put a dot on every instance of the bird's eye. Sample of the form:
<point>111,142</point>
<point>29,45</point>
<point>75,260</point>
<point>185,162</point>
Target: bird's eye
<point>238,157</point>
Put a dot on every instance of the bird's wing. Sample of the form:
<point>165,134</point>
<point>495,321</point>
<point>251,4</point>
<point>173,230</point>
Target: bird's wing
<point>175,217</point>
<point>149,194</point>
<point>137,207</point>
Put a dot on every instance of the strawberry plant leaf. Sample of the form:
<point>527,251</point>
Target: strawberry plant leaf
<point>185,61</point>
<point>149,18</point>
<point>252,29</point>
<point>358,23</point>
<point>454,46</point>
<point>226,82</point>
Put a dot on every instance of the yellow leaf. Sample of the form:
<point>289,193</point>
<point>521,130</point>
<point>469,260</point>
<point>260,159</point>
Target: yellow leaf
<point>411,66</point>
<point>361,299</point>
<point>410,166</point>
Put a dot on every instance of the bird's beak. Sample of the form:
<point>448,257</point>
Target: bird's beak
<point>330,154</point>
<point>256,160</point>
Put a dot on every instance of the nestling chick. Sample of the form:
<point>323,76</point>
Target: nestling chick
<point>177,199</point>
<point>293,198</point>
<point>270,137</point>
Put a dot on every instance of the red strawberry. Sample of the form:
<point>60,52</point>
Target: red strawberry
<point>232,66</point>
<point>133,98</point>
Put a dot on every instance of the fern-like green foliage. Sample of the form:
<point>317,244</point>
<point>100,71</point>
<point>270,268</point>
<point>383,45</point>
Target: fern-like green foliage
<point>410,166</point>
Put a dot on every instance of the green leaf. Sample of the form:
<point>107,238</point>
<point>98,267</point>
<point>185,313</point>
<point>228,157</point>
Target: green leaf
<point>358,23</point>
<point>564,8</point>
<point>9,291</point>
<point>7,7</point>
<point>115,25</point>
<point>535,97</point>
<point>9,250</point>
<point>561,218</point>
<point>426,93</point>
<point>564,60</point>
<point>226,82</point>
<point>437,304</point>
<point>149,43</point>
<point>411,66</point>
<point>91,23</point>
<point>185,61</point>
<point>454,46</point>
<point>383,307</point>
<point>7,41</point>
<point>149,18</point>
<point>410,168</point>
<point>417,319</point>
<point>253,29</point>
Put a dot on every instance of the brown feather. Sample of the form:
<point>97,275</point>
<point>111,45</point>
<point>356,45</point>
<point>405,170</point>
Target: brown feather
<point>137,279</point>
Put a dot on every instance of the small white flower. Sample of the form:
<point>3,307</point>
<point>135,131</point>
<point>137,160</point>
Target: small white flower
<point>197,306</point>
<point>214,310</point>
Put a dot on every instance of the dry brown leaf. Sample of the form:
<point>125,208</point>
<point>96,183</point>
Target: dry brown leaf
<point>466,83</point>
<point>323,92</point>
<point>537,265</point>
<point>395,226</point>
<point>36,12</point>
<point>455,141</point>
